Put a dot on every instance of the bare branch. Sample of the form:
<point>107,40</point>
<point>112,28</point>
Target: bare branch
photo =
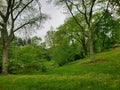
<point>17,4</point>
<point>76,20</point>
<point>23,26</point>
<point>2,15</point>
<point>85,15</point>
<point>12,25</point>
<point>8,10</point>
<point>103,14</point>
<point>91,10</point>
<point>76,7</point>
<point>23,9</point>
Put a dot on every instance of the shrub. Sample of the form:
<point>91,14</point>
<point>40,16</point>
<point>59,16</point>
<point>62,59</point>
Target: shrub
<point>26,59</point>
<point>15,66</point>
<point>65,53</point>
<point>43,67</point>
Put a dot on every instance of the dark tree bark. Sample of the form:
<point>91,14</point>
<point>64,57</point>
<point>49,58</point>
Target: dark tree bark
<point>5,58</point>
<point>84,46</point>
<point>103,44</point>
<point>91,40</point>
<point>5,46</point>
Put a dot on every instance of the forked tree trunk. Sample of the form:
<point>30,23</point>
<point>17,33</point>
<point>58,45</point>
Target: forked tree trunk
<point>5,58</point>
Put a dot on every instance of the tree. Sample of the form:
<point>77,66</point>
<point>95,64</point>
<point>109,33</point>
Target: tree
<point>72,30</point>
<point>66,48</point>
<point>49,38</point>
<point>86,9</point>
<point>115,34</point>
<point>115,3</point>
<point>16,15</point>
<point>104,29</point>
<point>36,40</point>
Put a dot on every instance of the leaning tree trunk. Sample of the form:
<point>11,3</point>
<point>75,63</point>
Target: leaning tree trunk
<point>92,55</point>
<point>5,58</point>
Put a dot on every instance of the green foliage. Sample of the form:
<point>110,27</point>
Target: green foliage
<point>0,58</point>
<point>60,55</point>
<point>64,53</point>
<point>16,66</point>
<point>68,42</point>
<point>49,38</point>
<point>36,40</point>
<point>116,33</point>
<point>104,32</point>
<point>27,58</point>
<point>43,67</point>
<point>78,75</point>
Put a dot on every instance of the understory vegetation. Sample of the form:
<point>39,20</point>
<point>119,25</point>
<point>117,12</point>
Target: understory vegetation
<point>77,75</point>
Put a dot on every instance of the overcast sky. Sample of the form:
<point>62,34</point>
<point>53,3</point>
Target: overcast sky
<point>56,14</point>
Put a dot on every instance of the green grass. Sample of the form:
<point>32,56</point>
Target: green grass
<point>73,76</point>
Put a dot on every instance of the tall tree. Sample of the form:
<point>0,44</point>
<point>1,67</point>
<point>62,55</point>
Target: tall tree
<point>87,8</point>
<point>105,28</point>
<point>16,15</point>
<point>72,30</point>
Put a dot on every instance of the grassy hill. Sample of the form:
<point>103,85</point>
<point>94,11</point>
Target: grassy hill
<point>78,75</point>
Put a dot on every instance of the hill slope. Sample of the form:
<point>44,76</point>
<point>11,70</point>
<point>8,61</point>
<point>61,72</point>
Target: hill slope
<point>106,63</point>
<point>78,75</point>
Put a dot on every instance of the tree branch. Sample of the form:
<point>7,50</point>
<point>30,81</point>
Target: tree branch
<point>76,7</point>
<point>23,9</point>
<point>103,14</point>
<point>2,15</point>
<point>23,25</point>
<point>76,20</point>
<point>1,24</point>
<point>17,5</point>
<point>85,15</point>
<point>8,10</point>
<point>91,10</point>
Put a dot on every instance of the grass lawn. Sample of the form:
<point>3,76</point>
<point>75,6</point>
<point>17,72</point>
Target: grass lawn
<point>77,75</point>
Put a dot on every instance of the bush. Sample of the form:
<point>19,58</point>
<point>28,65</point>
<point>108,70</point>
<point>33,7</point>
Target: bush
<point>66,53</point>
<point>15,66</point>
<point>43,67</point>
<point>26,59</point>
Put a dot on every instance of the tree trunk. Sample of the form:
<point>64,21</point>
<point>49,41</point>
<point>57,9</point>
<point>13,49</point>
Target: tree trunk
<point>5,58</point>
<point>92,55</point>
<point>84,46</point>
<point>103,44</point>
